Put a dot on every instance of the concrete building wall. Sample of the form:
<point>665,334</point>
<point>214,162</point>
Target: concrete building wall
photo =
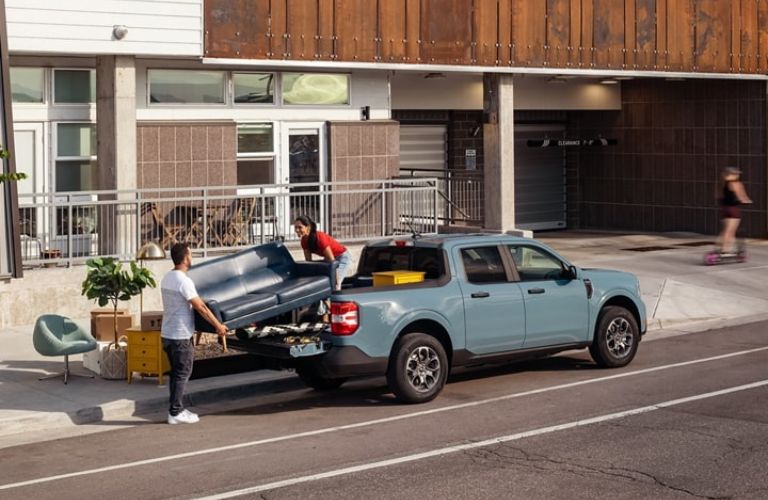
<point>158,28</point>
<point>673,140</point>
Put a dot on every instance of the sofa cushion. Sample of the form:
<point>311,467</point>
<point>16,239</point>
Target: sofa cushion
<point>257,281</point>
<point>240,306</point>
<point>217,279</point>
<point>299,287</point>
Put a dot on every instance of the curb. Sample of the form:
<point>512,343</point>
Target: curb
<point>150,408</point>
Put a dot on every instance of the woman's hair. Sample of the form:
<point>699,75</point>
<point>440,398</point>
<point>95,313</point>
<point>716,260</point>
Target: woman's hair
<point>312,238</point>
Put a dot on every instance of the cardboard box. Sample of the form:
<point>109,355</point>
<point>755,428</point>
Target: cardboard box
<point>151,320</point>
<point>108,310</point>
<point>102,325</point>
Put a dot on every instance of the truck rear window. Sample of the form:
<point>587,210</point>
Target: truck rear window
<point>375,259</point>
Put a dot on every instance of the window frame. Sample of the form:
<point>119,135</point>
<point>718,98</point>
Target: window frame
<point>259,156</point>
<point>57,158</point>
<point>227,94</point>
<point>348,104</point>
<point>508,274</point>
<point>53,101</point>
<point>276,91</point>
<point>47,95</point>
<point>540,250</point>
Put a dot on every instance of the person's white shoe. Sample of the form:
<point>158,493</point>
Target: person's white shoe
<point>185,417</point>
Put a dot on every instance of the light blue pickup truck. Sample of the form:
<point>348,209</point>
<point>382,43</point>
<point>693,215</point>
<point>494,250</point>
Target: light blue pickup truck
<point>484,299</point>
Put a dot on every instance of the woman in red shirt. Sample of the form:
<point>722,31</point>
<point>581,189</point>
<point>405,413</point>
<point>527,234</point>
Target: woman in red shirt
<point>319,243</point>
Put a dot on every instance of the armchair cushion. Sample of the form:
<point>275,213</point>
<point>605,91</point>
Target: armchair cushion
<point>56,335</point>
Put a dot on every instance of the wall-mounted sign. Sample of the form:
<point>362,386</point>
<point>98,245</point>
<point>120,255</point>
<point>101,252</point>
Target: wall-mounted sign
<point>569,143</point>
<point>470,159</point>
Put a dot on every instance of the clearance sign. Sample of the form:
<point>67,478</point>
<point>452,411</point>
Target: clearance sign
<point>569,143</point>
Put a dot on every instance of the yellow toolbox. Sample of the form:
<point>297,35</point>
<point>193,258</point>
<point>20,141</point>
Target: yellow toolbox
<point>386,278</point>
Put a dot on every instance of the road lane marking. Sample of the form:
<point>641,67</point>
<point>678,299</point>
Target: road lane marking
<point>480,444</point>
<point>368,423</point>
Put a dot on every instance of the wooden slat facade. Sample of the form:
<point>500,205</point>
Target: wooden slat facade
<point>723,36</point>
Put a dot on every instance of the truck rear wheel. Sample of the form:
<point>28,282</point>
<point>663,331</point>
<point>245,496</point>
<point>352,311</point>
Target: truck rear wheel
<point>616,338</point>
<point>308,374</point>
<point>418,368</point>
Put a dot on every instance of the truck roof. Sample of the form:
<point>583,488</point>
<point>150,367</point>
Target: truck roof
<point>442,239</point>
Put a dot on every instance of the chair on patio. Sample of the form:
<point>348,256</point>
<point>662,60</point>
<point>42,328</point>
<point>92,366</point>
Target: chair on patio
<point>56,335</point>
<point>167,234</point>
<point>238,226</point>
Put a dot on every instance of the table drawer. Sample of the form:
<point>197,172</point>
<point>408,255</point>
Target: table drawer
<point>143,351</point>
<point>143,364</point>
<point>143,339</point>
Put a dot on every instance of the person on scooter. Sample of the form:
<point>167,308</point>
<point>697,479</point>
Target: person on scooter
<point>732,196</point>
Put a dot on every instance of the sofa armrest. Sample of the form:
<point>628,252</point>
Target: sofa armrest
<point>201,324</point>
<point>317,268</point>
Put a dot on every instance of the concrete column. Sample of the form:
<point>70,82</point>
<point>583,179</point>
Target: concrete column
<point>116,139</point>
<point>499,152</point>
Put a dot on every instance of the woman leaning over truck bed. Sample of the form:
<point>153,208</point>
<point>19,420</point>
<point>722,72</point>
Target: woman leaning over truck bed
<point>319,243</point>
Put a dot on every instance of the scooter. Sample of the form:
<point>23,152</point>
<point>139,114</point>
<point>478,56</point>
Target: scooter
<point>716,257</point>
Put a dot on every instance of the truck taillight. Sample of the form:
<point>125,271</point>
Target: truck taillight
<point>344,318</point>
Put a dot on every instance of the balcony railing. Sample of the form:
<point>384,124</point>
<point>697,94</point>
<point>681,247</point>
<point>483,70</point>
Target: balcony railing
<point>67,228</point>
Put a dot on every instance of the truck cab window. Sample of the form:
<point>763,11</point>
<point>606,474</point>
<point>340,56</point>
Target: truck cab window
<point>483,265</point>
<point>534,264</point>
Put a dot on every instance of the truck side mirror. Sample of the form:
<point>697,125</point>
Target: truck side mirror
<point>571,273</point>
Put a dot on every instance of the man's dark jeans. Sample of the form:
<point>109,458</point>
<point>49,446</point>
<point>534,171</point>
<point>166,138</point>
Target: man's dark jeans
<point>181,354</point>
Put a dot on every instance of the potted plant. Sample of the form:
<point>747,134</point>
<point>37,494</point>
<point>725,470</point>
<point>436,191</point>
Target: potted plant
<point>108,283</point>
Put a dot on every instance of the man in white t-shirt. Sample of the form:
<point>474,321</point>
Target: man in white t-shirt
<point>180,300</point>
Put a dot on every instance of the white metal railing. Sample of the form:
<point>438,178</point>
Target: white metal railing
<point>72,227</point>
<point>460,192</point>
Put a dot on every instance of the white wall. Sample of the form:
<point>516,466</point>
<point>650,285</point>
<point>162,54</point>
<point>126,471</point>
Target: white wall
<point>155,27</point>
<point>410,90</point>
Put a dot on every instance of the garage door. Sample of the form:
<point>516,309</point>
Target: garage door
<point>422,147</point>
<point>539,179</point>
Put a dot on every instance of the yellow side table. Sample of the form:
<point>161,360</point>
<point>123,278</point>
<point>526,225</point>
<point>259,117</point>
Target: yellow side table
<point>146,354</point>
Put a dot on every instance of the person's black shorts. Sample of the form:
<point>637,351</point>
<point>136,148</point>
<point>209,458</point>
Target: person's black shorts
<point>731,212</point>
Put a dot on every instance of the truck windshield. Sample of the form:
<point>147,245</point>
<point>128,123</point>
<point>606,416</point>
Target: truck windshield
<point>375,259</point>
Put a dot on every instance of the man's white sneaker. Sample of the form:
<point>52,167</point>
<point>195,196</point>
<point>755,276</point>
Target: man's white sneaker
<point>185,417</point>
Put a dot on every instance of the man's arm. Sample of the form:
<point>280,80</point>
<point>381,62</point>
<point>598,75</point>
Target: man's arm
<point>199,306</point>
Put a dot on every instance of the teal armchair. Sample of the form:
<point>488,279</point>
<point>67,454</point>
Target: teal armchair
<point>56,335</point>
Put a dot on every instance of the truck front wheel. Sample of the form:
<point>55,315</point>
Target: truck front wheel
<point>616,338</point>
<point>308,374</point>
<point>418,368</point>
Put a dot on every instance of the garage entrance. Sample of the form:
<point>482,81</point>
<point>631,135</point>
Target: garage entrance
<point>539,179</point>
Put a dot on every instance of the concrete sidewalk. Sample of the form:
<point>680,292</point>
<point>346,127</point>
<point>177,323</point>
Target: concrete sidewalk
<point>680,293</point>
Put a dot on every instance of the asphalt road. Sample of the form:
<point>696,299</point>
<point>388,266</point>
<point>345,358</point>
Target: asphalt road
<point>688,418</point>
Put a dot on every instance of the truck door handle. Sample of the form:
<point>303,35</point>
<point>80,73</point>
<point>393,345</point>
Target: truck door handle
<point>535,290</point>
<point>480,295</point>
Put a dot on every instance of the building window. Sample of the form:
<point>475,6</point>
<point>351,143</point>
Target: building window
<point>255,154</point>
<point>315,88</point>
<point>254,88</point>
<point>75,157</point>
<point>74,86</point>
<point>27,85</point>
<point>168,86</point>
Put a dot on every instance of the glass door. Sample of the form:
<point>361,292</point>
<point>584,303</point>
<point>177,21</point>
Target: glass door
<point>303,170</point>
<point>33,217</point>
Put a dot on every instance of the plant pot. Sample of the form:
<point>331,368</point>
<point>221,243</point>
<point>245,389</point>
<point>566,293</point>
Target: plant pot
<point>114,363</point>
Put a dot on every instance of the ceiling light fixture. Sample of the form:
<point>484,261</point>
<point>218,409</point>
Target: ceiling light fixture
<point>435,74</point>
<point>609,82</point>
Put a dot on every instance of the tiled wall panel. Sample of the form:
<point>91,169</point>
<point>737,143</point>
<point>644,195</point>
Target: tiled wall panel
<point>673,140</point>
